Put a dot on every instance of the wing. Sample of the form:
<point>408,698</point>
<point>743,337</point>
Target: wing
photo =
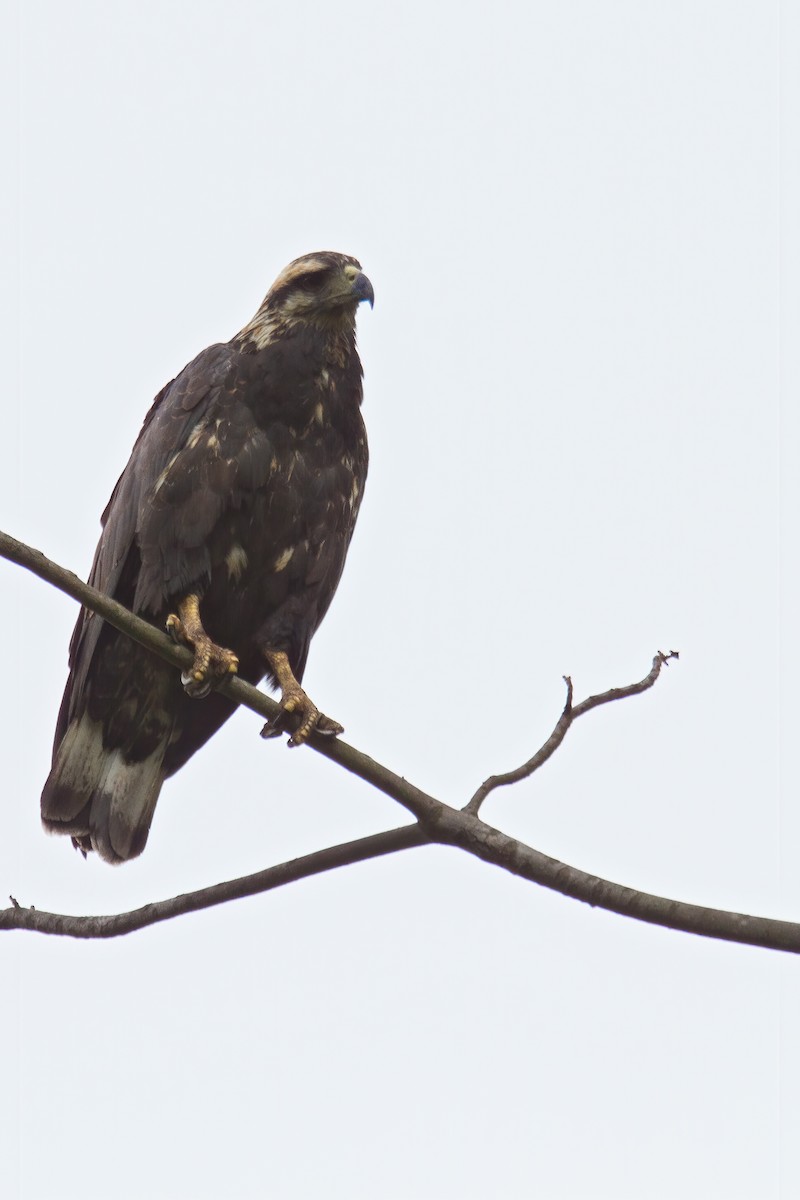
<point>166,435</point>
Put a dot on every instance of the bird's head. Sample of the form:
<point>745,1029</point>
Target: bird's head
<point>322,289</point>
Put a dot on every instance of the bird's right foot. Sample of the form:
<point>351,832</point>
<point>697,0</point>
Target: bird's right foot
<point>212,663</point>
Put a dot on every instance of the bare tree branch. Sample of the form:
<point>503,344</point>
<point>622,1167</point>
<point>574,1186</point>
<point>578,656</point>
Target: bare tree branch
<point>568,716</point>
<point>436,822</point>
<point>454,828</point>
<point>541,756</point>
<point>127,622</point>
<point>116,924</point>
<point>235,689</point>
<point>632,689</point>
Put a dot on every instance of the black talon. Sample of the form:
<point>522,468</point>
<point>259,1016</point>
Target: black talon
<point>272,729</point>
<point>330,732</point>
<point>197,689</point>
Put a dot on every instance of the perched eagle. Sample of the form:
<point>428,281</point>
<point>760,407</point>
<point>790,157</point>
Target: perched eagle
<point>230,524</point>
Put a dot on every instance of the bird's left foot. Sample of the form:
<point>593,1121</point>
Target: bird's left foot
<point>211,662</point>
<point>295,701</point>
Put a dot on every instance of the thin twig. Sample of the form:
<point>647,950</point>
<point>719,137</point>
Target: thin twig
<point>632,689</point>
<point>564,723</point>
<point>541,756</point>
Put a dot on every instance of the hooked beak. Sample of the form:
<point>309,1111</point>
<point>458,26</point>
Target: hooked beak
<point>362,289</point>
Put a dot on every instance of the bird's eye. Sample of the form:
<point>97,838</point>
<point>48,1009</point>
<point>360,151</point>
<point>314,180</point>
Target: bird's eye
<point>310,281</point>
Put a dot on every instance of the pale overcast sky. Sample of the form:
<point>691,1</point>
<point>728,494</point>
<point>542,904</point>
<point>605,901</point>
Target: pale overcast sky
<point>580,220</point>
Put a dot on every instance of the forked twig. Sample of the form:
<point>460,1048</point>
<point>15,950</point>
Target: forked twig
<point>563,724</point>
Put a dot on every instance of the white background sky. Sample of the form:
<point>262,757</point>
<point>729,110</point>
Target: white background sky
<point>580,219</point>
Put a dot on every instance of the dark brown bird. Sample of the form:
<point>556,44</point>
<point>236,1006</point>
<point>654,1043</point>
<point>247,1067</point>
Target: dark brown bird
<point>230,524</point>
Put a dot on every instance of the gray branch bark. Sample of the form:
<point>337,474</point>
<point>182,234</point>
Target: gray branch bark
<point>435,822</point>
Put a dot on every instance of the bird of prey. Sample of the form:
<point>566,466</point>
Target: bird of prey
<point>230,525</point>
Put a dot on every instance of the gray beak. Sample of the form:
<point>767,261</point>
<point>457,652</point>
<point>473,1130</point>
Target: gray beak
<point>362,289</point>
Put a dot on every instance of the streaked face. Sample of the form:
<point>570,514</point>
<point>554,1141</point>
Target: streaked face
<point>320,286</point>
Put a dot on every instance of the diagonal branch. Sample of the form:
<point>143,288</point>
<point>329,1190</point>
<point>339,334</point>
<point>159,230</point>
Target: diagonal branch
<point>116,924</point>
<point>453,828</point>
<point>235,689</point>
<point>436,822</point>
<point>564,723</point>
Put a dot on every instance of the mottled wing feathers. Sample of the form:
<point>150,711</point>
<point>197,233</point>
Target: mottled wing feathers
<point>223,456</point>
<point>117,560</point>
<point>165,429</point>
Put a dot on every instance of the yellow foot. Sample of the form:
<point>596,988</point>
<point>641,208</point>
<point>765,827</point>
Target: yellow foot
<point>211,662</point>
<point>294,701</point>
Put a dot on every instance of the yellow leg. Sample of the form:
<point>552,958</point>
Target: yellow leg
<point>211,662</point>
<point>295,700</point>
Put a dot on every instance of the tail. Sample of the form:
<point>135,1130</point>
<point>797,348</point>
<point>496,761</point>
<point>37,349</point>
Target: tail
<point>94,794</point>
